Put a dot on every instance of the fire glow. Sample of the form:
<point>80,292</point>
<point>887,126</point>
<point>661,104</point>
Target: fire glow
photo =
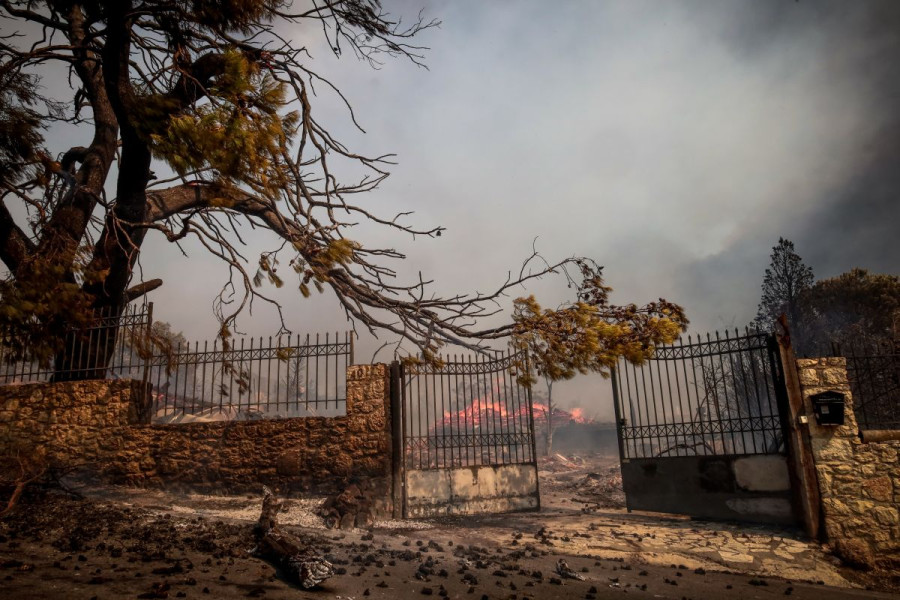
<point>483,410</point>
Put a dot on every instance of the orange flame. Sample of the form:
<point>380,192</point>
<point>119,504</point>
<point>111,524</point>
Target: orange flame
<point>578,415</point>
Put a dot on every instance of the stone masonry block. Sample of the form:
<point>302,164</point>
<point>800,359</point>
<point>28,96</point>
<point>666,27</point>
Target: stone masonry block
<point>809,377</point>
<point>878,488</point>
<point>835,377</point>
<point>888,516</point>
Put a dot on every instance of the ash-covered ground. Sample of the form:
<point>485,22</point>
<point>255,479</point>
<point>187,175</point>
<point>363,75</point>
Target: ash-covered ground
<point>126,543</point>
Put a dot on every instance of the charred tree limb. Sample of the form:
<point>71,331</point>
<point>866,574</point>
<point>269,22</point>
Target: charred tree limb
<point>141,289</point>
<point>64,230</point>
<point>117,249</point>
<point>298,563</point>
<point>191,86</point>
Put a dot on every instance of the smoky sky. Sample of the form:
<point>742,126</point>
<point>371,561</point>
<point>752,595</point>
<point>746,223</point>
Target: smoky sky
<point>673,142</point>
<point>853,219</point>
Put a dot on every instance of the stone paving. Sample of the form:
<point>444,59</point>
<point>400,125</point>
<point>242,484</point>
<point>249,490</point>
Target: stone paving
<point>576,527</point>
<point>664,541</point>
<point>657,540</point>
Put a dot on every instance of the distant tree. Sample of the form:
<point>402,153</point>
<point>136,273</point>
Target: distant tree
<point>589,335</point>
<point>166,338</point>
<point>162,341</point>
<point>786,278</point>
<point>854,308</point>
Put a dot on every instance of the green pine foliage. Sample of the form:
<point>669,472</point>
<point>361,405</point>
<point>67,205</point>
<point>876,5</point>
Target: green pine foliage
<point>241,132</point>
<point>590,334</point>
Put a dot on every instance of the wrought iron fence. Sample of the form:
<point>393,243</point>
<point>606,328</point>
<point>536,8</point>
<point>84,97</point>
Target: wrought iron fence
<point>718,396</point>
<point>281,377</point>
<point>82,349</point>
<point>874,374</point>
<point>287,376</point>
<point>467,411</point>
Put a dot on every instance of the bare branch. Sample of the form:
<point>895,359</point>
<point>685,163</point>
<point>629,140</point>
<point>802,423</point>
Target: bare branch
<point>141,289</point>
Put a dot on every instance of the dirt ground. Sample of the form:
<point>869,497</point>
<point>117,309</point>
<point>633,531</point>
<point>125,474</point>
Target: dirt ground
<point>125,543</point>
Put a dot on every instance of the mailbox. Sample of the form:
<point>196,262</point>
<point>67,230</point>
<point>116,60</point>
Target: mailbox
<point>829,408</point>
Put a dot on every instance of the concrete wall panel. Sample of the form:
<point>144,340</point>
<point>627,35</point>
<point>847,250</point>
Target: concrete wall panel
<point>762,474</point>
<point>471,490</point>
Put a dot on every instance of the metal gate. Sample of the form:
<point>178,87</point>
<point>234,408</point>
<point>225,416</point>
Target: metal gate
<point>701,430</point>
<point>874,374</point>
<point>467,433</point>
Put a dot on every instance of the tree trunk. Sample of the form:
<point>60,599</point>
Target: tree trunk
<point>86,353</point>
<point>109,272</point>
<point>549,417</point>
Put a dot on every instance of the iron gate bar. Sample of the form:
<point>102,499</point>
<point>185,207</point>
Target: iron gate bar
<point>404,436</point>
<point>466,412</point>
<point>249,368</point>
<point>270,352</point>
<point>874,375</point>
<point>728,416</point>
<point>779,384</point>
<point>79,342</point>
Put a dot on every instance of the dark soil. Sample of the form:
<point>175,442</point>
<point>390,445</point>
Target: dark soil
<point>59,547</point>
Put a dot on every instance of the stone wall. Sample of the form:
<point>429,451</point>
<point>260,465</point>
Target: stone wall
<point>859,482</point>
<point>96,425</point>
<point>303,454</point>
<point>73,423</point>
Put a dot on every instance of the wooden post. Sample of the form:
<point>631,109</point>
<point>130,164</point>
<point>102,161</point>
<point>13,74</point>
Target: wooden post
<point>804,480</point>
<point>145,412</point>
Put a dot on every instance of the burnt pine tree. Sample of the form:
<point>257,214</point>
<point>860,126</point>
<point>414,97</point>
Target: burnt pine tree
<point>786,279</point>
<point>219,100</point>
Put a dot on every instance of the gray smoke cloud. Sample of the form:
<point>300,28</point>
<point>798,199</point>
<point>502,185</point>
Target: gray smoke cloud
<point>847,213</point>
<point>674,142</point>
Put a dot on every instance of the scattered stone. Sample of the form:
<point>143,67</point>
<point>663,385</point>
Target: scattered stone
<point>354,507</point>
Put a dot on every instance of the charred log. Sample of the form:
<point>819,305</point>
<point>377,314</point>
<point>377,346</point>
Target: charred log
<point>297,562</point>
